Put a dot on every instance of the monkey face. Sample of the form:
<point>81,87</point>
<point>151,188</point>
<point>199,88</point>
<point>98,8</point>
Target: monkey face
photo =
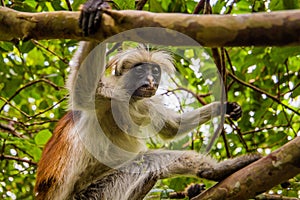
<point>143,79</point>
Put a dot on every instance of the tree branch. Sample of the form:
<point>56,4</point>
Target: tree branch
<point>11,129</point>
<point>274,98</point>
<point>8,157</point>
<point>260,29</point>
<point>259,176</point>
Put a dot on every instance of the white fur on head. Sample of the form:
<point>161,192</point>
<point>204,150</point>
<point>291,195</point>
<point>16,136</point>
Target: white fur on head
<point>124,61</point>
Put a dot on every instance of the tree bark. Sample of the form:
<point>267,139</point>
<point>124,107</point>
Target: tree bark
<point>260,176</point>
<point>261,29</point>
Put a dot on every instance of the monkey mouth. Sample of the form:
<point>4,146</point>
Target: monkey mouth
<point>145,91</point>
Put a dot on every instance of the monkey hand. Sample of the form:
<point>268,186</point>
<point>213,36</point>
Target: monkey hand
<point>194,190</point>
<point>233,110</point>
<point>91,15</point>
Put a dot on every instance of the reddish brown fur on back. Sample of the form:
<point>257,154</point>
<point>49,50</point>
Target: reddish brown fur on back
<point>54,158</point>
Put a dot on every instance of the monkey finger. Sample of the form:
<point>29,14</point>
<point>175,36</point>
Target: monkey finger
<point>85,23</point>
<point>232,105</point>
<point>98,15</point>
<point>97,20</point>
<point>235,116</point>
<point>234,110</point>
<point>81,17</point>
<point>91,26</point>
<point>238,110</point>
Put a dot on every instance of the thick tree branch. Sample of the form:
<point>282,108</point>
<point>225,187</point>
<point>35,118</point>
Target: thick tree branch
<point>260,176</point>
<point>261,29</point>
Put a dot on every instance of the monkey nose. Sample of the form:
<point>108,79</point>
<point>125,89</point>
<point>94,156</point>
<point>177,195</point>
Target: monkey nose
<point>151,82</point>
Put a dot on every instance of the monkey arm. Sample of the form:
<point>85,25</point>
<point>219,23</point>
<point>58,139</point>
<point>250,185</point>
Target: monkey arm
<point>87,66</point>
<point>177,125</point>
<point>84,48</point>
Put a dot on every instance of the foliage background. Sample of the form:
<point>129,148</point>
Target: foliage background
<point>33,98</point>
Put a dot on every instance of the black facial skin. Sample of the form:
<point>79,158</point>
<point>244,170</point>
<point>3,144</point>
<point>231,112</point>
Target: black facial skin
<point>143,79</point>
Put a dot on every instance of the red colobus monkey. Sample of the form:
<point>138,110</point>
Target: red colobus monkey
<point>80,163</point>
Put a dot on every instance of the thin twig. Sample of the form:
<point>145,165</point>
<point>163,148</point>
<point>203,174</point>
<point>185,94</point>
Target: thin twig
<point>264,128</point>
<point>199,97</point>
<point>140,5</point>
<point>69,5</point>
<point>50,107</point>
<point>50,51</point>
<point>262,92</point>
<point>6,102</point>
<point>199,7</point>
<point>28,85</point>
<point>12,130</point>
<point>8,157</point>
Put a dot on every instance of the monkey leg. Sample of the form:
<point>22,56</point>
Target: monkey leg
<point>119,184</point>
<point>192,163</point>
<point>225,168</point>
<point>135,179</point>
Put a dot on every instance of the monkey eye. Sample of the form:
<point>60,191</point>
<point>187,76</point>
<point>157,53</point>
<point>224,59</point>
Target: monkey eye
<point>142,68</point>
<point>139,69</point>
<point>156,70</point>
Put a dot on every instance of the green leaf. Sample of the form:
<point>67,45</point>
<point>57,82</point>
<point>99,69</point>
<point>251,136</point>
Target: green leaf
<point>280,55</point>
<point>76,4</point>
<point>155,6</point>
<point>26,47</point>
<point>291,4</point>
<point>56,4</point>
<point>43,105</point>
<point>243,7</point>
<point>284,4</point>
<point>31,3</point>
<point>165,4</point>
<point>42,137</point>
<point>6,46</point>
<point>125,4</point>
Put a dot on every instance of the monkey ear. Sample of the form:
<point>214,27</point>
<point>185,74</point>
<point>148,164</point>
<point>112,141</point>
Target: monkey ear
<point>118,68</point>
<point>114,66</point>
<point>118,72</point>
<point>113,69</point>
<point>109,69</point>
